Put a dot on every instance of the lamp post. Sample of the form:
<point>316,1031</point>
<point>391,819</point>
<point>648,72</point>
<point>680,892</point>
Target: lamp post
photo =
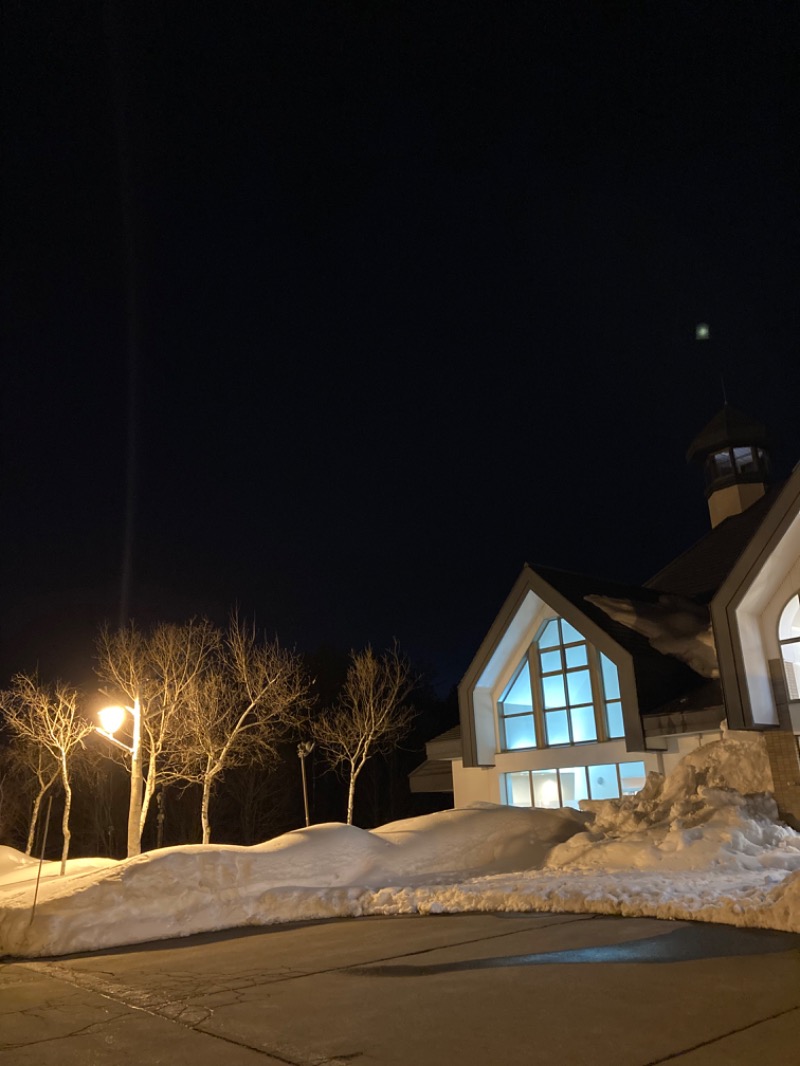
<point>304,748</point>
<point>111,718</point>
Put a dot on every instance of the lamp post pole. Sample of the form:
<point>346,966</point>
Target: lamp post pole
<point>304,748</point>
<point>135,808</point>
<point>111,719</point>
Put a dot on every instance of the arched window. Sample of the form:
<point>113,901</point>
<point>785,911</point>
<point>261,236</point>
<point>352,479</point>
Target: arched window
<point>789,638</point>
<point>563,692</point>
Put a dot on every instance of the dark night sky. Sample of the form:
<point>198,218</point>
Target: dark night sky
<point>414,296</point>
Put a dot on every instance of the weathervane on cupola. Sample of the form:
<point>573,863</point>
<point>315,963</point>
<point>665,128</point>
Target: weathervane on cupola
<point>733,451</point>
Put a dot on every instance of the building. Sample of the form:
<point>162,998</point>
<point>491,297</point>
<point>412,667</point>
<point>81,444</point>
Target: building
<point>582,686</point>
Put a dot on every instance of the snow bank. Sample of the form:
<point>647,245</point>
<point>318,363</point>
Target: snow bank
<point>703,843</point>
<point>198,888</point>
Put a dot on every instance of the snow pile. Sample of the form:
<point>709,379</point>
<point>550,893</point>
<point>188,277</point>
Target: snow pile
<point>14,862</point>
<point>712,812</point>
<point>673,626</point>
<point>703,843</point>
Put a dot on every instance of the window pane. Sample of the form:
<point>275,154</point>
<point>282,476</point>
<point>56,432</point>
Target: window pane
<point>632,777</point>
<point>571,634</point>
<point>576,656</point>
<point>557,729</point>
<point>603,782</point>
<point>518,789</point>
<point>545,788</point>
<point>520,732</point>
<point>580,687</point>
<point>518,697</point>
<point>722,461</point>
<point>573,785</point>
<point>550,660</point>
<point>743,457</point>
<point>791,670</point>
<point>550,637</point>
<point>553,691</point>
<point>789,625</point>
<point>614,724</point>
<point>610,678</point>
<point>584,726</point>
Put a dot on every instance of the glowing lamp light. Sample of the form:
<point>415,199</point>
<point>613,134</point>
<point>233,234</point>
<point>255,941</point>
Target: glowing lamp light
<point>111,718</point>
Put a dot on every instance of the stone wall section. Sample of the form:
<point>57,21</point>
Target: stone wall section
<point>784,762</point>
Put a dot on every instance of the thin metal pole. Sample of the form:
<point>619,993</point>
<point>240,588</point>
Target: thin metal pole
<point>305,789</point>
<point>41,857</point>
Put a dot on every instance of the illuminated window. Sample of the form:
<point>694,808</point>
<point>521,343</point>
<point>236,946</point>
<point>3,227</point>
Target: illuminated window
<point>789,638</point>
<point>563,692</point>
<point>739,463</point>
<point>571,784</point>
<point>516,710</point>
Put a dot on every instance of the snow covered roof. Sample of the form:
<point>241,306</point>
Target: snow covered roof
<point>660,678</point>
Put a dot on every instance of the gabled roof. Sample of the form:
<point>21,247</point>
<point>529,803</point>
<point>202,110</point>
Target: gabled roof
<point>701,569</point>
<point>729,428</point>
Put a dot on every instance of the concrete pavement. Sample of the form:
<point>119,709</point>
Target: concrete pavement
<point>468,989</point>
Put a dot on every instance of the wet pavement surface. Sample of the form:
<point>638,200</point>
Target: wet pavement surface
<point>466,989</point>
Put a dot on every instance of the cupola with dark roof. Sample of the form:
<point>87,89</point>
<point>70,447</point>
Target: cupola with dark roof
<point>732,449</point>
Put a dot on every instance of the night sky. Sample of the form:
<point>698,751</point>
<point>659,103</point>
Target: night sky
<point>345,311</point>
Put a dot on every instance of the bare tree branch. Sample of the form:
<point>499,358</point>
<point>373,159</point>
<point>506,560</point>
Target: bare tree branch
<point>370,716</point>
<point>251,695</point>
<point>48,719</point>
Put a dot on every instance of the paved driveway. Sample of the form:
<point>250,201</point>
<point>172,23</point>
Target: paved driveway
<point>464,989</point>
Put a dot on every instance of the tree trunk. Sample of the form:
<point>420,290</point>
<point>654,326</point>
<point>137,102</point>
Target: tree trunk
<point>149,789</point>
<point>65,816</point>
<point>37,806</point>
<point>208,782</point>
<point>351,792</point>
<point>204,810</point>
<point>37,803</point>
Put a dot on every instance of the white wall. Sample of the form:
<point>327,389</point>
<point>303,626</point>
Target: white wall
<point>757,621</point>
<point>482,784</point>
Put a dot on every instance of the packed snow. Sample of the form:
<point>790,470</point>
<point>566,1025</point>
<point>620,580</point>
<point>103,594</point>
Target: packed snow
<point>703,843</point>
<point>672,625</point>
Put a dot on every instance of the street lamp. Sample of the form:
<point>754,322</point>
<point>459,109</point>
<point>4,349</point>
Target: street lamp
<point>304,748</point>
<point>111,718</point>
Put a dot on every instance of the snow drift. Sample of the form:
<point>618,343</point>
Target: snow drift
<point>702,843</point>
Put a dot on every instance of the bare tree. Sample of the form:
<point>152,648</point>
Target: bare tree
<point>239,709</point>
<point>370,715</point>
<point>26,773</point>
<point>38,763</point>
<point>159,675</point>
<point>48,719</point>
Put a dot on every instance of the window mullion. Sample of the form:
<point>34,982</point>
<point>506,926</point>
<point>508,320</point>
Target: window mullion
<point>598,692</point>
<point>536,695</point>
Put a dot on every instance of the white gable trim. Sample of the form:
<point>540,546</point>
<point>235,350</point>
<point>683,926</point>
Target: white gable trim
<point>745,610</point>
<point>531,600</point>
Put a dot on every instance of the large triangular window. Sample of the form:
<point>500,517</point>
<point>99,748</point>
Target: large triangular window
<point>563,692</point>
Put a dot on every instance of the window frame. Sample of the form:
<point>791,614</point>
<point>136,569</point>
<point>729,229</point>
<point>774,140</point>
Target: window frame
<point>532,661</point>
<point>782,643</point>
